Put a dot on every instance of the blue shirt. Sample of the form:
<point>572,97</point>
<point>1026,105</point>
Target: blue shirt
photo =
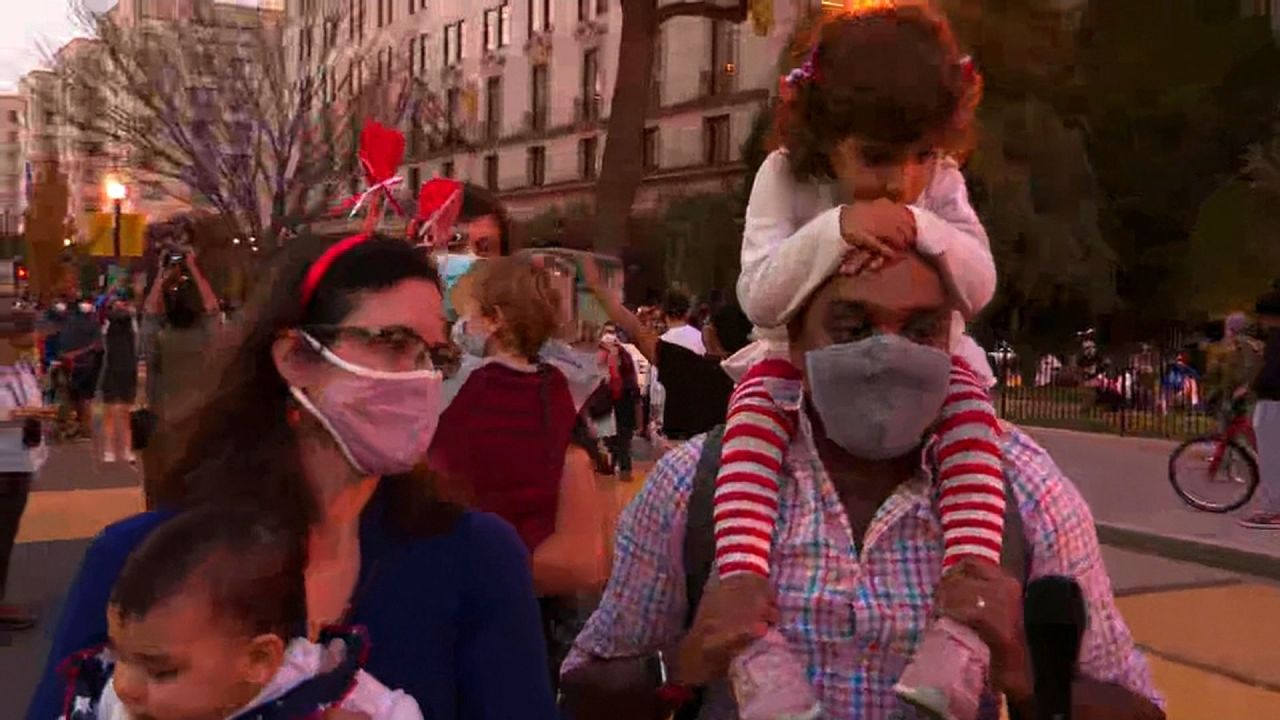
<point>452,619</point>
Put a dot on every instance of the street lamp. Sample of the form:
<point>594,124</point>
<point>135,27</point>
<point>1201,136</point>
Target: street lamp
<point>116,192</point>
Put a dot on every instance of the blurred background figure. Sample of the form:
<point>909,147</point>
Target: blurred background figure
<point>1266,416</point>
<point>22,452</point>
<point>119,381</point>
<point>623,393</point>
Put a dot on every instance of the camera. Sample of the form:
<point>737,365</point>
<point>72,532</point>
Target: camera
<point>174,257</point>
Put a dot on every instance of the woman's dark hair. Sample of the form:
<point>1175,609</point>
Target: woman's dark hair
<point>248,566</point>
<point>183,306</point>
<point>477,203</point>
<point>890,75</point>
<point>241,445</point>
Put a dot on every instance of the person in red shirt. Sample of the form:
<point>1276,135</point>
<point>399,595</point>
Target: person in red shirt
<point>504,441</point>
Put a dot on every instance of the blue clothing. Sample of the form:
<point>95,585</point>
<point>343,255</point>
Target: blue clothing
<point>452,619</point>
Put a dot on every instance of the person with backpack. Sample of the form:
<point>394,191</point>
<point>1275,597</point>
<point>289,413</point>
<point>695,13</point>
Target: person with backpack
<point>857,554</point>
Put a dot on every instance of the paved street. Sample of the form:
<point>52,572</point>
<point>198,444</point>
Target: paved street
<point>1210,633</point>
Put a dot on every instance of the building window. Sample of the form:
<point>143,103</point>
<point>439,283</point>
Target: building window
<point>360,19</point>
<point>540,97</point>
<point>13,116</point>
<point>452,98</point>
<point>587,9</point>
<point>590,85</point>
<point>453,44</point>
<point>588,149</point>
<point>391,11</point>
<point>447,169</point>
<point>491,172</point>
<point>380,2</point>
<point>651,160</point>
<point>497,31</point>
<point>724,58</point>
<point>715,140</point>
<point>413,6</point>
<point>422,53</point>
<point>537,167</point>
<point>493,108</point>
<point>539,16</point>
<point>413,56</point>
<point>415,173</point>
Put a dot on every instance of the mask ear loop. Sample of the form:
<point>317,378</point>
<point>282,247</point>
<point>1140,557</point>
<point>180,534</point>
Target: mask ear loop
<point>306,403</point>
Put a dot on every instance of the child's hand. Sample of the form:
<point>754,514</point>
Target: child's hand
<point>881,227</point>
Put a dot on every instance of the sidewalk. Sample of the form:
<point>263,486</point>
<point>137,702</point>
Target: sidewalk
<point>1126,482</point>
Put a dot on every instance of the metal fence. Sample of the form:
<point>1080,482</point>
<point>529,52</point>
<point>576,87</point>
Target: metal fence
<point>1147,395</point>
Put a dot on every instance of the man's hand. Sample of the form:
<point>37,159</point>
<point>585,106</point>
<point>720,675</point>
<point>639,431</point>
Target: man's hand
<point>984,597</point>
<point>881,227</point>
<point>732,614</point>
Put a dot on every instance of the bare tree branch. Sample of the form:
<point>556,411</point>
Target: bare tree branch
<point>236,118</point>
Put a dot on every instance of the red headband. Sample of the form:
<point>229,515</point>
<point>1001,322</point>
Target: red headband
<point>321,266</point>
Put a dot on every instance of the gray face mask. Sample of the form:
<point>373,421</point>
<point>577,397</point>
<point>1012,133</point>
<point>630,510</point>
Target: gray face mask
<point>877,396</point>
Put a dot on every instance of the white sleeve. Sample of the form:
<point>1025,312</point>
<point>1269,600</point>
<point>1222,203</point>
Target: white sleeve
<point>379,702</point>
<point>782,264</point>
<point>948,229</point>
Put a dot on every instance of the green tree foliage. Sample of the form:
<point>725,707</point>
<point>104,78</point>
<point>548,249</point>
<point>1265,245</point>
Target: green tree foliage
<point>1233,254</point>
<point>1033,186</point>
<point>1174,92</point>
<point>703,240</point>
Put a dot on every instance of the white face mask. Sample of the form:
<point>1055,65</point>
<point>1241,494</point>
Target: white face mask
<point>383,422</point>
<point>877,396</point>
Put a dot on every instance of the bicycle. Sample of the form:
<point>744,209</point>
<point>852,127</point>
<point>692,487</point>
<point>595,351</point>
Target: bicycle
<point>1231,459</point>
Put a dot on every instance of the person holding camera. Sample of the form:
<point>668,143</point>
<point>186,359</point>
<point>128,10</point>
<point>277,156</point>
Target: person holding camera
<point>179,322</point>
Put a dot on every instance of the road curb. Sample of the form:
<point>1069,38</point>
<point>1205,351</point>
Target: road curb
<point>1160,445</point>
<point>1192,550</point>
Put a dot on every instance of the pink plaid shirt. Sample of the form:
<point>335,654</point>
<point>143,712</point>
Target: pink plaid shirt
<point>854,617</point>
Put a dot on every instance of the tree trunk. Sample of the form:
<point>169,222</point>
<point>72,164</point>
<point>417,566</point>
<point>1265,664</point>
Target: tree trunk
<point>623,167</point>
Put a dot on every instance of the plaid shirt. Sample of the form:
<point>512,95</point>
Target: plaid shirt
<point>854,617</point>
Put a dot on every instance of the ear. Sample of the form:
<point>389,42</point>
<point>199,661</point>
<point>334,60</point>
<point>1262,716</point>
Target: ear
<point>263,658</point>
<point>294,359</point>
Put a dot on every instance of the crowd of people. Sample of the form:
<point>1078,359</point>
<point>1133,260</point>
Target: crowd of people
<point>375,495</point>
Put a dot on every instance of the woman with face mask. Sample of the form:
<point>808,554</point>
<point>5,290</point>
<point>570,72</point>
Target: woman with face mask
<point>324,407</point>
<point>505,437</point>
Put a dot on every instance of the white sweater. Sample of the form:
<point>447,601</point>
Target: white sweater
<point>303,661</point>
<point>792,243</point>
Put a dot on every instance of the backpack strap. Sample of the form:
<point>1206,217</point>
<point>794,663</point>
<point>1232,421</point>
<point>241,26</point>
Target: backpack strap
<point>700,531</point>
<point>700,542</point>
<point>1015,556</point>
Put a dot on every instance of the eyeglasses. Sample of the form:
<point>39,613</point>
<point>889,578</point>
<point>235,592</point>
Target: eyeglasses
<point>391,346</point>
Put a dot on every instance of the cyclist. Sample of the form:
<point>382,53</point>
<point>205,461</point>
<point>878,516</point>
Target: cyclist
<point>1231,366</point>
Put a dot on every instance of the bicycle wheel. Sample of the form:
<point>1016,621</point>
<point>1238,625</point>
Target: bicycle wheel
<point>1227,489</point>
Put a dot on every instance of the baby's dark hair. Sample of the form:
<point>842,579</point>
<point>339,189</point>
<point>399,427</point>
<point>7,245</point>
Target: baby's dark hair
<point>248,567</point>
<point>891,75</point>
